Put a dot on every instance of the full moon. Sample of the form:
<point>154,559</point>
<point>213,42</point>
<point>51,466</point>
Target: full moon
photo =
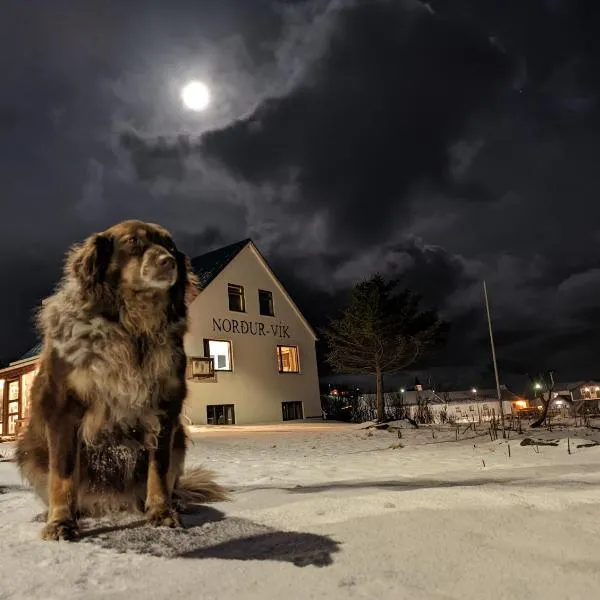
<point>195,96</point>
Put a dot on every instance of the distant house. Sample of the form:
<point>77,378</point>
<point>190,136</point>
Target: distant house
<point>15,385</point>
<point>478,404</point>
<point>576,394</point>
<point>459,406</point>
<point>251,353</point>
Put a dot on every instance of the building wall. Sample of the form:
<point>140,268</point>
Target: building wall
<point>255,387</point>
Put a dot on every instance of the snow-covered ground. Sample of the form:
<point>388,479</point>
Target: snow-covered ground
<point>337,511</point>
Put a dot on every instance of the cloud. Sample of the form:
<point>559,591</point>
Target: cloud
<point>91,204</point>
<point>368,119</point>
<point>194,244</point>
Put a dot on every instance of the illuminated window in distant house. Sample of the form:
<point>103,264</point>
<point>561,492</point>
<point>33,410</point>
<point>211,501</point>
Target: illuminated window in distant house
<point>287,358</point>
<point>590,392</point>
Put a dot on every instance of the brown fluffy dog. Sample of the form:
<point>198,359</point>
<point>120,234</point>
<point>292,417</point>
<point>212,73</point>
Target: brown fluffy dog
<point>105,431</point>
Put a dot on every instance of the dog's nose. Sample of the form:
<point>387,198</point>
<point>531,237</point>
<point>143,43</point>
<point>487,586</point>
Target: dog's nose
<point>166,260</point>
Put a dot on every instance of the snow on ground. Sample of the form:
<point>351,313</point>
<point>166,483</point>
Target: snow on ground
<point>336,511</point>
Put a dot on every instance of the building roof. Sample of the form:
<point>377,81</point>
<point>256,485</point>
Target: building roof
<point>208,266</point>
<point>31,353</point>
<point>572,385</point>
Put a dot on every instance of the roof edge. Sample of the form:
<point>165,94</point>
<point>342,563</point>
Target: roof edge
<point>282,289</point>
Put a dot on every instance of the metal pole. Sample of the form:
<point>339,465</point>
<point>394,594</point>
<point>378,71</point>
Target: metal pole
<point>487,309</point>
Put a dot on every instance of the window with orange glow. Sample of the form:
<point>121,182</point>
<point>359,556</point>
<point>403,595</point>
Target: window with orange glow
<point>287,358</point>
<point>1,406</point>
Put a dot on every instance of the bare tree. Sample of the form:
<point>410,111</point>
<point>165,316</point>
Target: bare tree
<point>382,330</point>
<point>543,386</point>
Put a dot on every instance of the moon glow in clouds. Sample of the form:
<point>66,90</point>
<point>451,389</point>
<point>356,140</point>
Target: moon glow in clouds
<point>195,96</point>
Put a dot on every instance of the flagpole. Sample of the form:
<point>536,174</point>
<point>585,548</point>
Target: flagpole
<point>499,392</point>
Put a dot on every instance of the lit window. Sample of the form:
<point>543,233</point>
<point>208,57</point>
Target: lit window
<point>265,303</point>
<point>220,352</point>
<point>14,405</point>
<point>287,357</point>
<point>1,406</point>
<point>236,297</point>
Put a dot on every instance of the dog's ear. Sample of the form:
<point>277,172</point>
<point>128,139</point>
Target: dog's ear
<point>185,288</point>
<point>89,262</point>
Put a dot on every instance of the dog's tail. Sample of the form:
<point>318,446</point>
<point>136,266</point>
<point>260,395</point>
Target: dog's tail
<point>197,486</point>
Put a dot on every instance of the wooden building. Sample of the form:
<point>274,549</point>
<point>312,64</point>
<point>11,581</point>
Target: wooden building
<point>15,385</point>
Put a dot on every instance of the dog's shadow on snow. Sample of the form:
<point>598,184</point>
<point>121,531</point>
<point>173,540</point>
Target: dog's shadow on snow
<point>208,533</point>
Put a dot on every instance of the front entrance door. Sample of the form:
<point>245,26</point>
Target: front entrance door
<point>220,414</point>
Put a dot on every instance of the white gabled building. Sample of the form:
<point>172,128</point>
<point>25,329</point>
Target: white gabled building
<point>252,356</point>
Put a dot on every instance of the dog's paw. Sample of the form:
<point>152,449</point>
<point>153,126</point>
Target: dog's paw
<point>164,518</point>
<point>60,530</point>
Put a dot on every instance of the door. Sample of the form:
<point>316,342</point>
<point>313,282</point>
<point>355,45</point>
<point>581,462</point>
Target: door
<point>13,412</point>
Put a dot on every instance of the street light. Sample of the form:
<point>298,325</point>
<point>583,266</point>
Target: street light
<point>474,390</point>
<point>537,385</point>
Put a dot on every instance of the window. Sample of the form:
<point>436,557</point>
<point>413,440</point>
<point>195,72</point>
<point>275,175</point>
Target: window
<point>287,358</point>
<point>14,401</point>
<point>1,406</point>
<point>265,303</point>
<point>200,367</point>
<point>26,383</point>
<point>590,393</point>
<point>236,297</point>
<point>220,414</point>
<point>220,352</point>
<point>292,411</point>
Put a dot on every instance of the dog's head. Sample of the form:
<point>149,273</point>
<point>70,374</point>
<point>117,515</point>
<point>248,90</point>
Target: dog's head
<point>131,257</point>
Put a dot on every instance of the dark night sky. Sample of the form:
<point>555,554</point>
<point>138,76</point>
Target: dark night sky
<point>441,143</point>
